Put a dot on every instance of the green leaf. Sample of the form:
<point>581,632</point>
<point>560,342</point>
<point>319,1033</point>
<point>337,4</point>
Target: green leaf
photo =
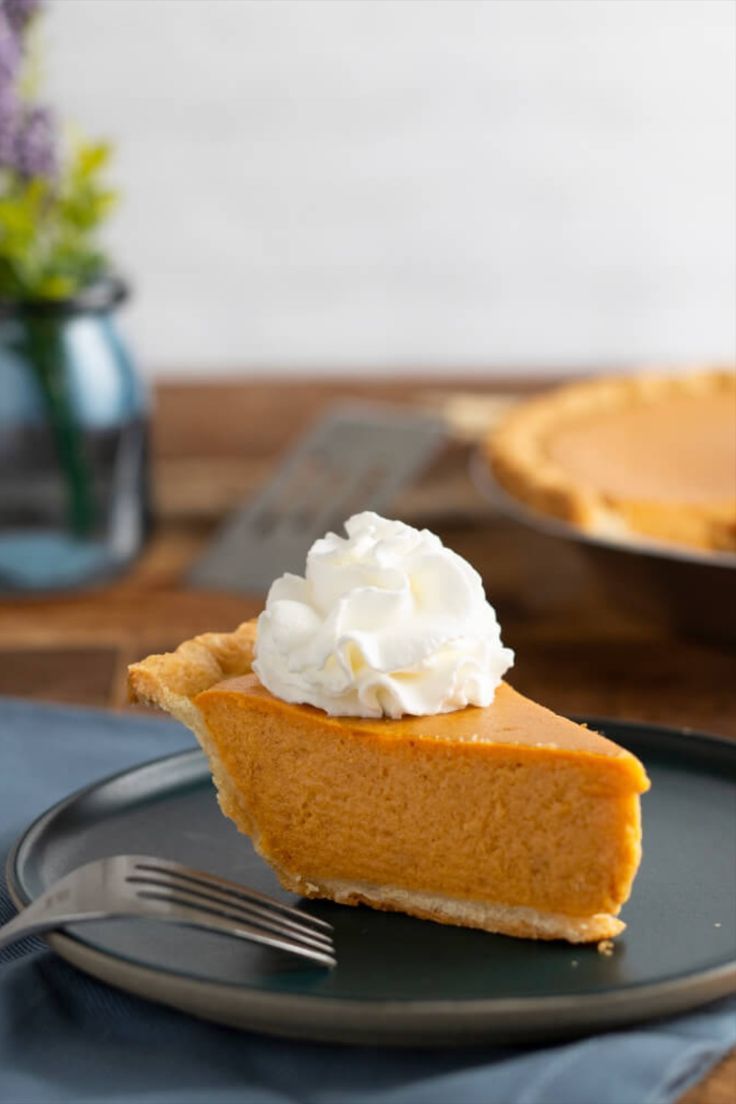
<point>90,157</point>
<point>48,231</point>
<point>55,286</point>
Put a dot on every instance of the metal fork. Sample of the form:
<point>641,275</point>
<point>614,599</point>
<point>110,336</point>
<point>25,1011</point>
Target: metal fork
<point>155,889</point>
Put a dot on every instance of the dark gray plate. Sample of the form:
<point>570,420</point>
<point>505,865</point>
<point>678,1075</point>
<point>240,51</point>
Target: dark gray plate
<point>401,980</point>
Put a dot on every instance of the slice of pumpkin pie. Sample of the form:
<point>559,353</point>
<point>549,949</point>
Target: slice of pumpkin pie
<point>361,734</point>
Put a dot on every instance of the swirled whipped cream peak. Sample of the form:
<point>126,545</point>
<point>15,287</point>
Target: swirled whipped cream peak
<point>386,621</point>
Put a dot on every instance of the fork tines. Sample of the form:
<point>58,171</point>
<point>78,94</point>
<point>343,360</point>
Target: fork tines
<point>164,880</point>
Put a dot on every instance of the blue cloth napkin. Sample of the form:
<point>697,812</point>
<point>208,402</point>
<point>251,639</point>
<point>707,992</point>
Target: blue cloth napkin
<point>65,1037</point>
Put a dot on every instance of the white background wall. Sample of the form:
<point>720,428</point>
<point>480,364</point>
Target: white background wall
<point>328,185</point>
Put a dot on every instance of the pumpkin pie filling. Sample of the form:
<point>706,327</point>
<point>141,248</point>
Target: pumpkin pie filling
<point>506,804</point>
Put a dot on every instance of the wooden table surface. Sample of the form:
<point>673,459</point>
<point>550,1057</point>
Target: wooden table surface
<point>214,442</point>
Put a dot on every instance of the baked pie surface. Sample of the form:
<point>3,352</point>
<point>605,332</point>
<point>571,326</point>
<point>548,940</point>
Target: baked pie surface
<point>653,455</point>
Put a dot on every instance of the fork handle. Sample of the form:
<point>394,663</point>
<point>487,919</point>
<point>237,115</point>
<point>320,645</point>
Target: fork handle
<point>23,926</point>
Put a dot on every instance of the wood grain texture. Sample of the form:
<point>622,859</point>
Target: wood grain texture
<point>577,650</point>
<point>259,419</point>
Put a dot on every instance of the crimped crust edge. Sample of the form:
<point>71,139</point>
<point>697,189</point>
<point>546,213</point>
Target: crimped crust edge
<point>516,454</point>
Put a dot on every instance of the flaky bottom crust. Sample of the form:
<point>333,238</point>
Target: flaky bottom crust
<point>516,920</point>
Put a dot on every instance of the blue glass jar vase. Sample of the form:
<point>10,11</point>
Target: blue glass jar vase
<point>74,502</point>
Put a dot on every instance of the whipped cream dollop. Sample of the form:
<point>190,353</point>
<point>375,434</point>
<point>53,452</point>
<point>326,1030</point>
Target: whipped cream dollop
<point>385,622</point>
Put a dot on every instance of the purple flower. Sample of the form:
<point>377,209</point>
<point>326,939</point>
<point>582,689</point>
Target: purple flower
<point>27,132</point>
<point>9,118</point>
<point>10,51</point>
<point>20,12</point>
<point>35,143</point>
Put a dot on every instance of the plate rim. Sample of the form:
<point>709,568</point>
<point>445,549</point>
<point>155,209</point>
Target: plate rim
<point>375,1020</point>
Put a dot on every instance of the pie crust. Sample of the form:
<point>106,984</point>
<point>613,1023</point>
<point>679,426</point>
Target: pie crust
<point>651,455</point>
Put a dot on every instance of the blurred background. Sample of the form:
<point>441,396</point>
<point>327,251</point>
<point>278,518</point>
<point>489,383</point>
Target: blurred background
<point>440,207</point>
<point>362,186</point>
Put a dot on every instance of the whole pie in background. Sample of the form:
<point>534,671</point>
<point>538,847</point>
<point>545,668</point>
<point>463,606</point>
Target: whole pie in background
<point>651,455</point>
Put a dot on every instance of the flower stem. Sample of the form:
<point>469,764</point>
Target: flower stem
<point>46,355</point>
